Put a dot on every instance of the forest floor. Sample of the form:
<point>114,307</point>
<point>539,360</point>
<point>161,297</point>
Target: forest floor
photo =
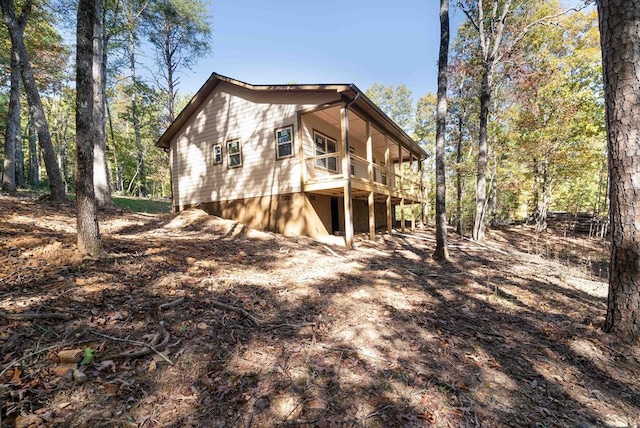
<point>253,329</point>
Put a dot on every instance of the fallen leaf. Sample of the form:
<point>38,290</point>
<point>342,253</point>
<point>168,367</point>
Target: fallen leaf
<point>15,379</point>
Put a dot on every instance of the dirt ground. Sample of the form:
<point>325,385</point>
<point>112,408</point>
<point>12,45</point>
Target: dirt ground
<point>193,321</point>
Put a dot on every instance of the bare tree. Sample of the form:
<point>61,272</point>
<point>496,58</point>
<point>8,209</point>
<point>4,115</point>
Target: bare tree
<point>179,31</point>
<point>441,252</point>
<point>620,42</point>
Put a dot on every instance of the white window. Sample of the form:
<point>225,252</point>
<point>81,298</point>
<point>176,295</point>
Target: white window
<point>234,152</point>
<point>284,142</point>
<point>325,145</point>
<point>217,154</point>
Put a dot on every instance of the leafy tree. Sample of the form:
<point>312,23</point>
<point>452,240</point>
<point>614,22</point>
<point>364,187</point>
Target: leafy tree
<point>16,25</point>
<point>397,103</point>
<point>547,130</point>
<point>441,252</point>
<point>620,43</point>
<point>424,131</point>
<point>180,32</point>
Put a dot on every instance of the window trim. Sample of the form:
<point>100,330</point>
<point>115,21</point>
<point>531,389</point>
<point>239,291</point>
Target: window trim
<point>239,154</point>
<point>216,160</point>
<point>278,144</point>
<point>325,160</point>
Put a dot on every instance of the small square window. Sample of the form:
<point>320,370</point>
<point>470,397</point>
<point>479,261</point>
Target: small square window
<point>217,154</point>
<point>284,142</point>
<point>234,152</point>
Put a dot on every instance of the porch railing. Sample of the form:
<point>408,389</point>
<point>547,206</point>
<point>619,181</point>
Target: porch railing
<point>328,167</point>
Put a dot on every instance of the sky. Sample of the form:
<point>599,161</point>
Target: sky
<point>349,41</point>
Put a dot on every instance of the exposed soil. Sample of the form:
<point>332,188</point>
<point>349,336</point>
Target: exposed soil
<point>381,336</point>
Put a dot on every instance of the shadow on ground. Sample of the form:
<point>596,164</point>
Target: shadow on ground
<point>379,336</point>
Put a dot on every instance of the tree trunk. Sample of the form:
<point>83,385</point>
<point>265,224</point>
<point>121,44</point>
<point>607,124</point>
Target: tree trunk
<point>620,42</point>
<point>541,212</point>
<point>34,166</point>
<point>100,169</point>
<point>492,199</point>
<point>441,253</point>
<point>116,163</point>
<point>21,181</point>
<point>12,132</point>
<point>459,182</point>
<point>142,176</point>
<point>16,27</point>
<point>481,180</point>
<point>87,222</point>
<point>170,82</point>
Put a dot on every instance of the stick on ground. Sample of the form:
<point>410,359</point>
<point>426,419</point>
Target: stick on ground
<point>236,309</point>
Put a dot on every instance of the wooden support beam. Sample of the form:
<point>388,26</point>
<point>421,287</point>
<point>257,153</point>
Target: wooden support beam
<point>371,200</point>
<point>346,170</point>
<point>413,196</point>
<point>389,180</point>
<point>303,167</point>
<point>401,174</point>
<point>389,216</point>
<point>402,228</point>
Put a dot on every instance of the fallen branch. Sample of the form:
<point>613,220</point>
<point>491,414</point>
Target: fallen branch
<point>486,246</point>
<point>148,348</point>
<point>304,324</point>
<point>334,253</point>
<point>236,309</point>
<point>32,315</point>
<point>171,304</point>
<point>32,354</point>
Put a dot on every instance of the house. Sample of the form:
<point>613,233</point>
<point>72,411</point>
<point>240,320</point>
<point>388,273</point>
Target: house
<point>308,160</point>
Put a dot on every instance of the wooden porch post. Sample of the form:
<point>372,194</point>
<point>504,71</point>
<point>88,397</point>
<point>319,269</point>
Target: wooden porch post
<point>346,170</point>
<point>422,194</point>
<point>402,228</point>
<point>303,166</point>
<point>413,196</point>
<point>371,200</point>
<point>389,181</point>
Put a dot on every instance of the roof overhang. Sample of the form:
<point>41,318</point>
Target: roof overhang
<point>348,92</point>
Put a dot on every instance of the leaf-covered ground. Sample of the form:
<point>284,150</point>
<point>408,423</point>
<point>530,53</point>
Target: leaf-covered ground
<point>253,329</point>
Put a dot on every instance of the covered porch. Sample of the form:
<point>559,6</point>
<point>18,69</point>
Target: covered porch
<point>354,153</point>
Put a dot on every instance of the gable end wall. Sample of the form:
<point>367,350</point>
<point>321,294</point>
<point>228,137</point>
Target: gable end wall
<point>231,112</point>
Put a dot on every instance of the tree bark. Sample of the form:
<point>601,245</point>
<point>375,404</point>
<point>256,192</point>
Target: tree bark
<point>620,42</point>
<point>481,174</point>
<point>34,165</point>
<point>441,253</point>
<point>12,131</point>
<point>459,182</point>
<point>16,27</point>
<point>21,181</point>
<point>117,171</point>
<point>100,169</point>
<point>87,222</point>
<point>543,207</point>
